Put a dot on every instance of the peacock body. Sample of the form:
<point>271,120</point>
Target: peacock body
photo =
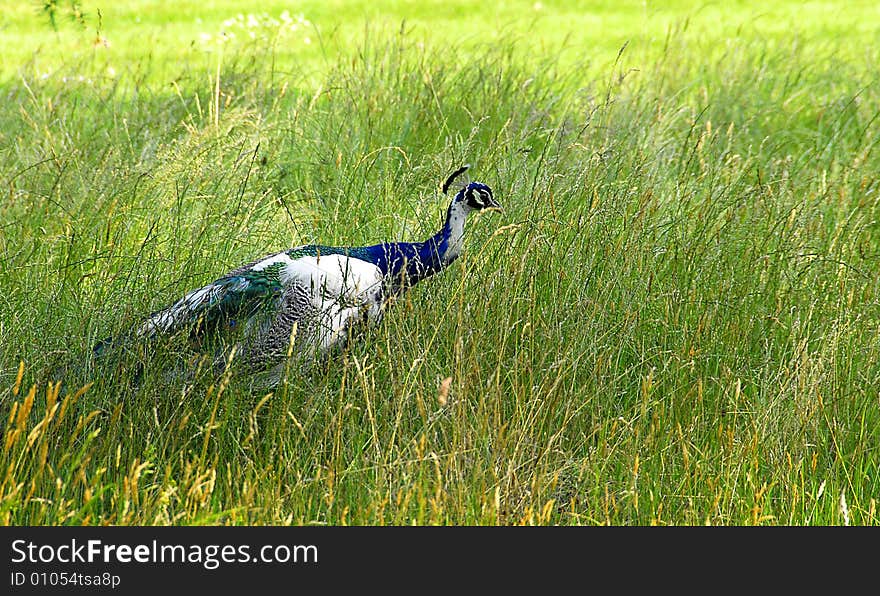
<point>307,300</point>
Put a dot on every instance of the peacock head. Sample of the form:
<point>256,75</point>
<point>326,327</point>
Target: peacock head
<point>475,196</point>
<point>479,196</point>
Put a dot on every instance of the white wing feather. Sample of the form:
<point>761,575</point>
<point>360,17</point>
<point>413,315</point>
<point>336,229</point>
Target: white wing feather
<point>342,289</point>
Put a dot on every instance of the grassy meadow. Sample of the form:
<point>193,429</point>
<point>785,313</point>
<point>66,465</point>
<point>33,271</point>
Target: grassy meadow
<point>675,320</point>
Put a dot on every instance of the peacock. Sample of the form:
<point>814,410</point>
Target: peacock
<point>307,301</point>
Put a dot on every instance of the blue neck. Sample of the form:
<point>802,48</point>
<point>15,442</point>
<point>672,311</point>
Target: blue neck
<point>407,263</point>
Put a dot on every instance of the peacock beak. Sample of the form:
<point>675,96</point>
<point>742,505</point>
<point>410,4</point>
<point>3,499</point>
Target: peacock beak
<point>494,205</point>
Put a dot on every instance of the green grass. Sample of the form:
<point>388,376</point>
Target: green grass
<point>675,320</point>
<point>160,41</point>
